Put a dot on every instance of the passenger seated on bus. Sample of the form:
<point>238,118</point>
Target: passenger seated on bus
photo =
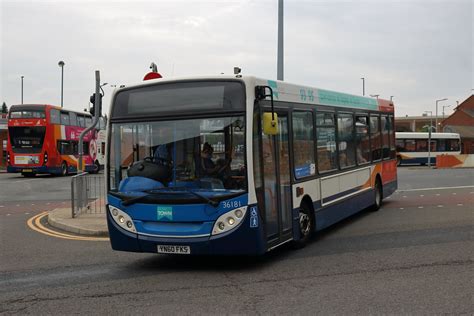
<point>207,165</point>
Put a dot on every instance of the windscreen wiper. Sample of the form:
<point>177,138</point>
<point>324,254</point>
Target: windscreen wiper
<point>202,197</point>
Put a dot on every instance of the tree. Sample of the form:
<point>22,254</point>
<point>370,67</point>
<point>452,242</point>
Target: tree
<point>4,108</point>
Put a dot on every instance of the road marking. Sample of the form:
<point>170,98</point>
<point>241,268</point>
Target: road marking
<point>459,204</point>
<point>27,213</point>
<point>9,214</point>
<point>437,194</point>
<point>402,208</point>
<point>422,195</point>
<point>17,205</point>
<point>440,205</point>
<point>420,206</point>
<point>35,224</point>
<point>2,206</point>
<point>404,196</point>
<point>454,193</point>
<point>440,188</point>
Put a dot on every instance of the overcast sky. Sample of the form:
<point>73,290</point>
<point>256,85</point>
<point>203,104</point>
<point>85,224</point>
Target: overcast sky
<point>418,51</point>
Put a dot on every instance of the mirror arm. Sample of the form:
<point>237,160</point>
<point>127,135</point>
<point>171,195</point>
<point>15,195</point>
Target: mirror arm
<point>261,95</point>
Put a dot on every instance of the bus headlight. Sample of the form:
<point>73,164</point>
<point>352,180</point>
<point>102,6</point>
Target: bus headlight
<point>229,220</point>
<point>122,219</point>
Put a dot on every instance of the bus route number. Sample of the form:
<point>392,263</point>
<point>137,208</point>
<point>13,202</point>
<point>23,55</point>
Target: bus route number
<point>232,204</point>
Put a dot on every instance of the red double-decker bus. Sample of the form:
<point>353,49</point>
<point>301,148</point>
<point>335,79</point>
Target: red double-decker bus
<point>43,139</point>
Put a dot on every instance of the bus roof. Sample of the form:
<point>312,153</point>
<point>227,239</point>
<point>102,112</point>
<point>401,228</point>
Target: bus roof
<point>411,135</point>
<point>288,92</point>
<point>43,106</point>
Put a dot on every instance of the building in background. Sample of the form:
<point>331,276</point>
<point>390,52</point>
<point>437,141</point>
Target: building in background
<point>415,123</point>
<point>462,122</point>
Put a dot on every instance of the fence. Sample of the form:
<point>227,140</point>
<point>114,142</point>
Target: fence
<point>87,194</point>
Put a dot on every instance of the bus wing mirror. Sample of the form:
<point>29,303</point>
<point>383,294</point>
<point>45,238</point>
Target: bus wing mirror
<point>270,123</point>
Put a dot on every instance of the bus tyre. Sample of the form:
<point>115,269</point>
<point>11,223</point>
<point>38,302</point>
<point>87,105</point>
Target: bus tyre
<point>378,196</point>
<point>64,170</point>
<point>96,167</point>
<point>306,226</point>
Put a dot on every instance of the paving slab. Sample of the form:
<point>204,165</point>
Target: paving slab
<point>84,224</point>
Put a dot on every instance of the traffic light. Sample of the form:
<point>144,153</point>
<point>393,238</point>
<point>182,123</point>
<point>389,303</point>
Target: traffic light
<point>94,107</point>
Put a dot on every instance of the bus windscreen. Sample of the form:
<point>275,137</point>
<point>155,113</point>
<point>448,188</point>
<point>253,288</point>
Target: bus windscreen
<point>27,139</point>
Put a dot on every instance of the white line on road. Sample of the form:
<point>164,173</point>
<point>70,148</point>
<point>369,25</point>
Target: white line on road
<point>440,188</point>
<point>420,206</point>
<point>2,206</point>
<point>440,205</point>
<point>459,204</point>
<point>9,214</point>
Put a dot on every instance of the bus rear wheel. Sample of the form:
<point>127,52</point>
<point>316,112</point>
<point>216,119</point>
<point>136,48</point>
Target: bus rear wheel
<point>306,226</point>
<point>378,196</point>
<point>64,170</point>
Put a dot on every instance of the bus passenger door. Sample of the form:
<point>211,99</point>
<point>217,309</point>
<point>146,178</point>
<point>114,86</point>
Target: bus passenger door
<point>277,184</point>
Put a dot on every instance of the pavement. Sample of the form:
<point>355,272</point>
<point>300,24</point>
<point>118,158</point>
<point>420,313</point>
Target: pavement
<point>84,224</point>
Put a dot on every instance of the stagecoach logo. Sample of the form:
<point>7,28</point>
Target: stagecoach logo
<point>164,213</point>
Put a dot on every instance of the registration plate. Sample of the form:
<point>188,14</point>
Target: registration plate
<point>174,249</point>
<point>27,170</point>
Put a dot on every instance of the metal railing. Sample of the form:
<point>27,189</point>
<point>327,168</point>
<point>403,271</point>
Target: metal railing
<point>87,194</point>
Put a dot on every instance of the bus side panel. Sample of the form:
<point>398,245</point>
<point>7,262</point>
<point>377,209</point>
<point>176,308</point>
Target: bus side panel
<point>336,212</point>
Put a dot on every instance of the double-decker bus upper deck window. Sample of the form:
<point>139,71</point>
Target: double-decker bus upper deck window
<point>54,116</point>
<point>81,121</point>
<point>27,114</point>
<point>73,118</point>
<point>193,97</point>
<point>65,118</point>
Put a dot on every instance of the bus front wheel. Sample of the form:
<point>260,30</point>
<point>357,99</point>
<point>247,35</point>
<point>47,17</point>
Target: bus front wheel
<point>306,226</point>
<point>64,171</point>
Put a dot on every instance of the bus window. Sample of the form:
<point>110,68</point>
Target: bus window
<point>88,121</point>
<point>375,141</point>
<point>303,144</point>
<point>362,139</point>
<point>385,137</point>
<point>65,147</point>
<point>452,145</point>
<point>400,143</point>
<point>393,151</point>
<point>65,118</point>
<point>421,145</point>
<point>326,142</point>
<point>410,145</point>
<point>441,145</point>
<point>81,121</point>
<point>346,142</point>
<point>54,116</point>
<point>73,118</point>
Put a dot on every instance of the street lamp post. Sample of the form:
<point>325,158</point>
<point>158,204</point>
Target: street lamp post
<point>429,137</point>
<point>445,106</point>
<point>280,41</point>
<point>436,118</point>
<point>363,86</point>
<point>22,89</point>
<point>61,64</point>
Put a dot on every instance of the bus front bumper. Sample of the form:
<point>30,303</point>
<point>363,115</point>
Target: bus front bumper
<point>243,240</point>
